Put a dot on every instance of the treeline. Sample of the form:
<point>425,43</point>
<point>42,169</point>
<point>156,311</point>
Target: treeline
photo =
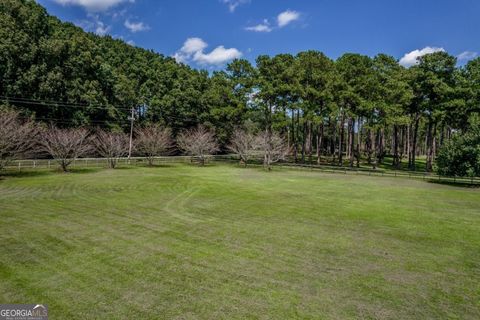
<point>343,111</point>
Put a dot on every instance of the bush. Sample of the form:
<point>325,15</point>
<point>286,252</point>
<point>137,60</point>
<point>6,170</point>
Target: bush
<point>461,155</point>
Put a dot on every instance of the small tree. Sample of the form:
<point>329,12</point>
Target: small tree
<point>111,145</point>
<point>461,155</point>
<point>65,145</point>
<point>243,144</point>
<point>153,141</point>
<point>17,138</point>
<point>198,142</point>
<point>273,147</point>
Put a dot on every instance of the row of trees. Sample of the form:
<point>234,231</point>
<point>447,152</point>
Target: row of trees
<point>345,111</point>
<point>360,107</point>
<point>25,138</point>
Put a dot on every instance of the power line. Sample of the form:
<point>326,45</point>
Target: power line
<point>74,121</point>
<point>55,104</point>
<point>45,103</point>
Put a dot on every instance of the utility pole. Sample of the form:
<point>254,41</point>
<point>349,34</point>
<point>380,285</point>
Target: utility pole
<point>131,118</point>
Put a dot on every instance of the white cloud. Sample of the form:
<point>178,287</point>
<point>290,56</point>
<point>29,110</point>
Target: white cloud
<point>262,27</point>
<point>93,5</point>
<point>190,47</point>
<point>233,4</point>
<point>94,25</point>
<point>193,45</point>
<point>194,50</point>
<point>467,55</point>
<point>286,17</point>
<point>119,14</point>
<point>411,58</point>
<point>136,26</point>
<point>218,56</point>
<point>102,29</point>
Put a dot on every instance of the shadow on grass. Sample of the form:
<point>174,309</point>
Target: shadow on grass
<point>155,165</point>
<point>463,184</point>
<point>24,173</point>
<point>121,168</point>
<point>79,170</point>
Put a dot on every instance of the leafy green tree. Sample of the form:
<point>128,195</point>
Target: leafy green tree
<point>393,96</point>
<point>461,155</point>
<point>356,76</point>
<point>435,77</point>
<point>315,72</point>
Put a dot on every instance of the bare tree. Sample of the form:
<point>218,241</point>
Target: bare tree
<point>17,138</point>
<point>111,145</point>
<point>65,145</point>
<point>198,142</point>
<point>243,144</point>
<point>273,146</point>
<point>153,141</point>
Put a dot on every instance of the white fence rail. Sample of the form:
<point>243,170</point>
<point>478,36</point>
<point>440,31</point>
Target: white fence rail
<point>103,162</point>
<point>29,164</point>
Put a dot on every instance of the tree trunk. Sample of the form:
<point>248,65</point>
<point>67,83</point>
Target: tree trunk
<point>294,141</point>
<point>340,142</point>
<point>348,142</point>
<point>359,142</point>
<point>304,139</point>
<point>333,139</point>
<point>319,142</point>
<point>64,165</point>
<point>380,146</point>
<point>413,150</point>
<point>297,134</point>
<point>373,139</point>
<point>434,142</point>
<point>352,141</point>
<point>429,144</point>
<point>396,161</point>
<point>369,145</point>
<point>408,145</point>
<point>309,141</point>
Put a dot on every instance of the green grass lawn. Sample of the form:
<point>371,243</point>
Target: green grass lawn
<point>221,242</point>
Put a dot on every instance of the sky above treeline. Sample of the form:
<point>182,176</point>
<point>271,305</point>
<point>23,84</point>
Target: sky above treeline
<point>210,33</point>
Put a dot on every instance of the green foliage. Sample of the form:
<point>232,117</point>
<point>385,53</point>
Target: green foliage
<point>44,59</point>
<point>461,155</point>
<point>74,78</point>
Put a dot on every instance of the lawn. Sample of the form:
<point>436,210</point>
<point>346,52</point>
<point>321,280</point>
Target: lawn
<point>221,242</point>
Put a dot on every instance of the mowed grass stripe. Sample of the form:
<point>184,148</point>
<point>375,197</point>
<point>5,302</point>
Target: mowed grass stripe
<point>225,242</point>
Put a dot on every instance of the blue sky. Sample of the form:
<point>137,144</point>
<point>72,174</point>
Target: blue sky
<point>209,33</point>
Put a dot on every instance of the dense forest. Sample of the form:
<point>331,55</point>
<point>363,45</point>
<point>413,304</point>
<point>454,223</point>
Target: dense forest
<point>341,111</point>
